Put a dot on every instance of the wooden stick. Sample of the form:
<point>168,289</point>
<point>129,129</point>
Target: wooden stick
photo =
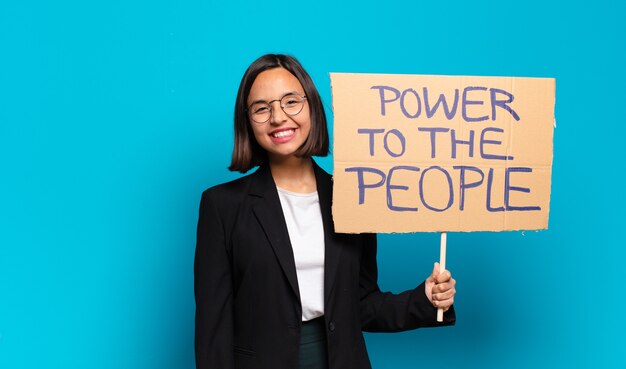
<point>442,267</point>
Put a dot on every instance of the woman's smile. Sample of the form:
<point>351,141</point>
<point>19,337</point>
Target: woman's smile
<point>283,135</point>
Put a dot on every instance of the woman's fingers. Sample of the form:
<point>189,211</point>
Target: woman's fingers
<point>449,294</point>
<point>440,288</point>
<point>443,277</point>
<point>444,300</point>
<point>445,304</point>
<point>445,286</point>
<point>442,294</point>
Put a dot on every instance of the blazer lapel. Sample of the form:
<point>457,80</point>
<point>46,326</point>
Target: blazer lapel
<point>270,215</point>
<point>271,218</point>
<point>332,251</point>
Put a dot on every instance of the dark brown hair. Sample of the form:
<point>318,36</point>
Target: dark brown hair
<point>247,153</point>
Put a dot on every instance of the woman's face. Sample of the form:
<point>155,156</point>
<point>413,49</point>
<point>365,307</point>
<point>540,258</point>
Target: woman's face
<point>282,134</point>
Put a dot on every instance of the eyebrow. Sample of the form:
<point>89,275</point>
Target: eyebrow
<point>285,94</point>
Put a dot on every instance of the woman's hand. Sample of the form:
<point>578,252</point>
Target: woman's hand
<point>440,288</point>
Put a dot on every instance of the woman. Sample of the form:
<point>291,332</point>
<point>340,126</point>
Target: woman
<point>275,286</point>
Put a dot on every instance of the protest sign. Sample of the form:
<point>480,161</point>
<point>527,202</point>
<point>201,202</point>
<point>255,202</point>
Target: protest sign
<point>417,153</point>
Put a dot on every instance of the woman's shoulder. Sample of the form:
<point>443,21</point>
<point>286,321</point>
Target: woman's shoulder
<point>233,188</point>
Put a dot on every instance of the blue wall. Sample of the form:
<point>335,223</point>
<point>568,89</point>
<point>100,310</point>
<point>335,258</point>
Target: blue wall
<point>115,115</point>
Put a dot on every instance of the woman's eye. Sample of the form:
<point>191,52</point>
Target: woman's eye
<point>291,101</point>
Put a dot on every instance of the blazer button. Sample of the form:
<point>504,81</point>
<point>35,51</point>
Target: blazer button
<point>331,326</point>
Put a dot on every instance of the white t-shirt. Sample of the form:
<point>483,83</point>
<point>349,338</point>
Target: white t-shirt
<point>306,233</point>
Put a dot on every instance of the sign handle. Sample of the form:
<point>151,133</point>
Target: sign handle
<point>442,267</point>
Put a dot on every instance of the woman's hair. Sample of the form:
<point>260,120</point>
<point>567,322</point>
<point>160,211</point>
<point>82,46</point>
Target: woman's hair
<point>247,153</point>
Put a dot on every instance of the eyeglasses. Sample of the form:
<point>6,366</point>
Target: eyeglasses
<point>292,104</point>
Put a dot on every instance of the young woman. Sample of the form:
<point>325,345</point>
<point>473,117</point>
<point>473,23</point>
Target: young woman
<point>275,286</point>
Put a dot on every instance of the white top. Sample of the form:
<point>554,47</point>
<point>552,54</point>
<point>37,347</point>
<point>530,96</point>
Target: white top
<point>306,233</point>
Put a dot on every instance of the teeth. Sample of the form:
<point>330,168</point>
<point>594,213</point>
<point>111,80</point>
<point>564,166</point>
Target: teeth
<point>283,133</point>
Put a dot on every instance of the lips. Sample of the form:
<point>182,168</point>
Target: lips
<point>283,133</point>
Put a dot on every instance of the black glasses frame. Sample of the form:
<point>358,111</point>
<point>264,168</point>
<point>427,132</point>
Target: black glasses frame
<point>271,109</point>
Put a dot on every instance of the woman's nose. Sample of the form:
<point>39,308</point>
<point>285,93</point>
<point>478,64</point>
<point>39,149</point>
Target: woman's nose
<point>277,114</point>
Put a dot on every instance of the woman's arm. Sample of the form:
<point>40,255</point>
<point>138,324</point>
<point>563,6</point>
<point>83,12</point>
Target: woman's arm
<point>388,312</point>
<point>213,290</point>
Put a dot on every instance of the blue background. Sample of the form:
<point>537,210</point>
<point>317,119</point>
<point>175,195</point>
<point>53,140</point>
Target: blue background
<point>115,115</point>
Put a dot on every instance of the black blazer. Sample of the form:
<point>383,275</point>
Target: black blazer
<point>248,311</point>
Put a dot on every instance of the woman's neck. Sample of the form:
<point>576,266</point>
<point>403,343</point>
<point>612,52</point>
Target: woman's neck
<point>294,174</point>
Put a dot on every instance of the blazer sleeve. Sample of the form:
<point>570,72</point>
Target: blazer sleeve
<point>213,289</point>
<point>389,312</point>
